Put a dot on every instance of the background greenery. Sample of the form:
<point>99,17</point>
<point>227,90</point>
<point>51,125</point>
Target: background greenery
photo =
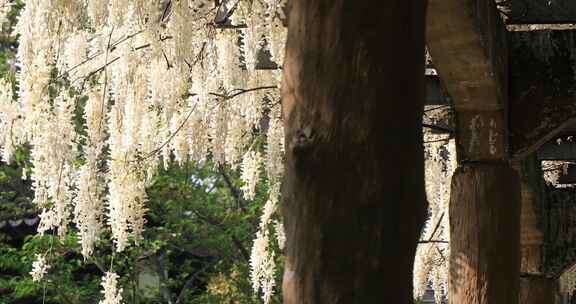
<point>196,246</point>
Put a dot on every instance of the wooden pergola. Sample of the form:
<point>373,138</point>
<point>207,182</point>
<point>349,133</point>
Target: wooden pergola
<point>513,92</point>
<point>508,69</point>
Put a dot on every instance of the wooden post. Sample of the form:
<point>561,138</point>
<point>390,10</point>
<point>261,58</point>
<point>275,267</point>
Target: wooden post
<point>537,290</point>
<point>354,183</point>
<point>535,287</point>
<point>485,234</point>
<point>468,44</point>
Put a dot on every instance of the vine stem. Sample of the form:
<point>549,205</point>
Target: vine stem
<point>243,91</point>
<point>153,152</point>
<point>105,79</point>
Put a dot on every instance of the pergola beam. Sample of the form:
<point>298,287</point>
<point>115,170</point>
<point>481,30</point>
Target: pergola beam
<point>435,92</point>
<point>467,42</point>
<point>542,88</point>
<point>553,151</point>
<point>542,12</point>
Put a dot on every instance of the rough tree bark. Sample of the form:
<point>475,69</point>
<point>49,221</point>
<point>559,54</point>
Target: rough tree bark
<point>485,234</point>
<point>354,203</point>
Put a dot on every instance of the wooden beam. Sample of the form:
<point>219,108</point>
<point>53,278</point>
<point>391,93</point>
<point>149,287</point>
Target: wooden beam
<point>542,88</point>
<point>542,12</point>
<point>467,42</point>
<point>554,151</point>
<point>435,92</point>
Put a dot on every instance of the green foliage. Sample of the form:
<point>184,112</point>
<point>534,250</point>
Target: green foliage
<point>72,282</point>
<point>203,229</point>
<point>15,193</point>
<point>9,44</point>
<point>197,244</point>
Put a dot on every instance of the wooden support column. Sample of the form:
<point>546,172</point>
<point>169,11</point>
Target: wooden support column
<point>535,286</point>
<point>531,217</point>
<point>467,42</point>
<point>485,230</point>
<point>353,193</point>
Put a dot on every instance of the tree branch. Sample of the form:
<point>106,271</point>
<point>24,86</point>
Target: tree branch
<point>433,241</point>
<point>437,226</point>
<point>152,153</point>
<point>161,271</point>
<point>189,282</point>
<point>233,190</point>
<point>438,128</point>
<point>436,108</point>
<point>237,243</point>
<point>242,91</point>
<point>438,140</point>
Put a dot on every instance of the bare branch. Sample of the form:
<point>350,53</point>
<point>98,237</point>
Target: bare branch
<point>105,79</point>
<point>438,128</point>
<point>233,190</point>
<point>243,251</point>
<point>243,91</point>
<point>152,153</point>
<point>433,241</point>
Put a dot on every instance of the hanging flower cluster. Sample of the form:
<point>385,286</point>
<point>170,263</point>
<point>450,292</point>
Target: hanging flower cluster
<point>9,122</point>
<point>262,258</point>
<point>431,263</point>
<point>150,82</point>
<point>39,268</point>
<point>112,295</point>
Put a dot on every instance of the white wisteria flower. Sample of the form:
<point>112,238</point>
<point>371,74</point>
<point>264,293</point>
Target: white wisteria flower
<point>39,268</point>
<point>112,295</point>
<point>161,85</point>
<point>430,265</point>
<point>250,173</point>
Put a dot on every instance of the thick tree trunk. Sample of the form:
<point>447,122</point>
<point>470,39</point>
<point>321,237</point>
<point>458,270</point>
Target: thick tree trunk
<point>485,235</point>
<point>354,193</point>
<point>537,290</point>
